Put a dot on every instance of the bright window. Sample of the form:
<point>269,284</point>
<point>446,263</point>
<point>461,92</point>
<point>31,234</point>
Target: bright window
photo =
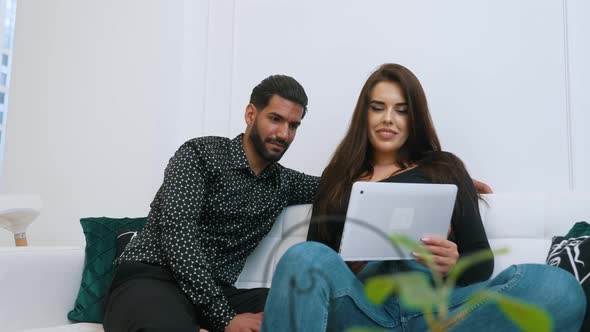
<point>7,17</point>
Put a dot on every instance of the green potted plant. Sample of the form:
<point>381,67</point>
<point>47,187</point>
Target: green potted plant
<point>416,291</point>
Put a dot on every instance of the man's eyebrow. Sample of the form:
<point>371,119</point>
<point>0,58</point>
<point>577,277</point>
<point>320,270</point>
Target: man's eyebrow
<point>283,118</point>
<point>277,115</point>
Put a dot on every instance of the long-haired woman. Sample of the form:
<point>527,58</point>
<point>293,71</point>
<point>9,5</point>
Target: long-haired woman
<point>391,138</point>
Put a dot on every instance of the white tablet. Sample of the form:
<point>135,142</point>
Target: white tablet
<point>378,209</point>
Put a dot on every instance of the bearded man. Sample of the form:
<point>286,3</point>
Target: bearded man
<point>219,198</point>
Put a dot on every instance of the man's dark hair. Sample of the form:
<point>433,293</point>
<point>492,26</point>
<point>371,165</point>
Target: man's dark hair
<point>281,85</point>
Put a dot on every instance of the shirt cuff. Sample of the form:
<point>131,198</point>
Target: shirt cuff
<point>220,315</point>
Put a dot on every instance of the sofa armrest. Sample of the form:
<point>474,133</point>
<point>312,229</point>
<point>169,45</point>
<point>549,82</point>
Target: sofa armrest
<point>38,285</point>
<point>289,229</point>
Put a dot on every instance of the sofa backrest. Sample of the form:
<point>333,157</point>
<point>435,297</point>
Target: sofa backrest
<point>38,286</point>
<point>523,222</point>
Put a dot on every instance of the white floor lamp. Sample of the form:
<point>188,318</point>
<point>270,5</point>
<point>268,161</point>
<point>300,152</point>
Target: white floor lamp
<point>17,212</point>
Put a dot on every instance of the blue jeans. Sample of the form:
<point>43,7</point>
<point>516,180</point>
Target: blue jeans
<point>314,290</point>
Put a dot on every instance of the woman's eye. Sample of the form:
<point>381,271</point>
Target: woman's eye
<point>376,109</point>
<point>403,110</point>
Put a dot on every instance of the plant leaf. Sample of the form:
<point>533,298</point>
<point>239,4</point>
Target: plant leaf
<point>528,317</point>
<point>413,288</point>
<point>379,288</point>
<point>365,329</point>
<point>416,292</point>
<point>468,261</point>
<point>410,244</point>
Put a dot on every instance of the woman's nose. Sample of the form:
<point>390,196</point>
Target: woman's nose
<point>388,117</point>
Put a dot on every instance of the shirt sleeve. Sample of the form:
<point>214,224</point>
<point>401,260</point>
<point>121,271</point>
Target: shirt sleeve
<point>302,187</point>
<point>468,231</point>
<point>179,205</point>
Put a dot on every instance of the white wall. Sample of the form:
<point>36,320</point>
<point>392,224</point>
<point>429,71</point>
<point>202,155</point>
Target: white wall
<point>493,72</point>
<point>98,105</point>
<point>103,93</point>
<point>579,86</point>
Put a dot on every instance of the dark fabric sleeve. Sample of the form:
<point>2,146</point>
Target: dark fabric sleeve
<point>179,206</point>
<point>335,227</point>
<point>302,187</point>
<point>468,231</point>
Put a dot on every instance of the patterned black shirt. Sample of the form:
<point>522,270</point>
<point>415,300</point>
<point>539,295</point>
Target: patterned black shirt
<point>209,214</point>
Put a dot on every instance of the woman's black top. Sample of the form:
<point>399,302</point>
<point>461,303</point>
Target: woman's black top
<point>467,230</point>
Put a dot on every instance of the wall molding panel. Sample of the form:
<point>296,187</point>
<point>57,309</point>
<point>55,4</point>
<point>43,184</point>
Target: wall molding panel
<point>102,95</point>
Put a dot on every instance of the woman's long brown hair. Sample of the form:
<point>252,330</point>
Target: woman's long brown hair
<point>353,156</point>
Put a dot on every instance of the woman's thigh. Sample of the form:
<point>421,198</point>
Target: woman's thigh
<point>313,290</point>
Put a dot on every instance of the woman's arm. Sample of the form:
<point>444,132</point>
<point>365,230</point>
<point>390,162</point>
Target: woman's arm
<point>467,227</point>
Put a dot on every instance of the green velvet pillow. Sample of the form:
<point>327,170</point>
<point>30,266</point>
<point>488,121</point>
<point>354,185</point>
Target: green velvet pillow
<point>101,247</point>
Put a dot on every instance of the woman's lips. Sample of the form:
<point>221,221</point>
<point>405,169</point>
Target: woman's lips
<point>386,133</point>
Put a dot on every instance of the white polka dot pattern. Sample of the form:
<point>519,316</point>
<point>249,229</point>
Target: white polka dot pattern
<point>208,216</point>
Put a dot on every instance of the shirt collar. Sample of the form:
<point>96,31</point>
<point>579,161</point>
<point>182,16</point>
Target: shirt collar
<point>238,158</point>
<point>237,154</point>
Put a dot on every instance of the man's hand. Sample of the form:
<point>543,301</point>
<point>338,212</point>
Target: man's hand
<point>245,323</point>
<point>481,187</point>
<point>444,253</point>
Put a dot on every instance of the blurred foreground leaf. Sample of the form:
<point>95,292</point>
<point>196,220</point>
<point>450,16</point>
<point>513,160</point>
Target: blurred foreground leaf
<point>413,289</point>
<point>528,317</point>
<point>378,289</point>
<point>365,329</point>
<point>408,243</point>
<point>466,262</point>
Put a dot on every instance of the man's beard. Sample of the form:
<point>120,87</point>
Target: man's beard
<point>261,148</point>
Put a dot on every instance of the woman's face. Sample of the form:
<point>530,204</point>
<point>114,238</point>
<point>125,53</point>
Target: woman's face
<point>387,121</point>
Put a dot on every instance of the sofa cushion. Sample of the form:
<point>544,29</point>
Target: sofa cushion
<point>80,327</point>
<point>572,253</point>
<point>101,246</point>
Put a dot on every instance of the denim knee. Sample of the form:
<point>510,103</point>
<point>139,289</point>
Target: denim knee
<point>308,254</point>
<point>565,298</point>
<point>308,265</point>
<point>573,298</point>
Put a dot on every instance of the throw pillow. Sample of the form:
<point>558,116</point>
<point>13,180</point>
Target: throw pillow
<point>572,253</point>
<point>101,247</point>
<point>124,236</point>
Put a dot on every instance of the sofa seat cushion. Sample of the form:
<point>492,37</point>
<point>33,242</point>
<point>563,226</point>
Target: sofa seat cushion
<point>79,327</point>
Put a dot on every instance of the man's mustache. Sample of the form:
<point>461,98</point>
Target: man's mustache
<point>278,141</point>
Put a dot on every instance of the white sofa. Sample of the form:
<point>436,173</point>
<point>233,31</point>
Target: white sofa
<point>38,285</point>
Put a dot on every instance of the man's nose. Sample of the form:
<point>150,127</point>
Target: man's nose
<point>283,132</point>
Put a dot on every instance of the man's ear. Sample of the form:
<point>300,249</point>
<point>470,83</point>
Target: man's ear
<point>250,114</point>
